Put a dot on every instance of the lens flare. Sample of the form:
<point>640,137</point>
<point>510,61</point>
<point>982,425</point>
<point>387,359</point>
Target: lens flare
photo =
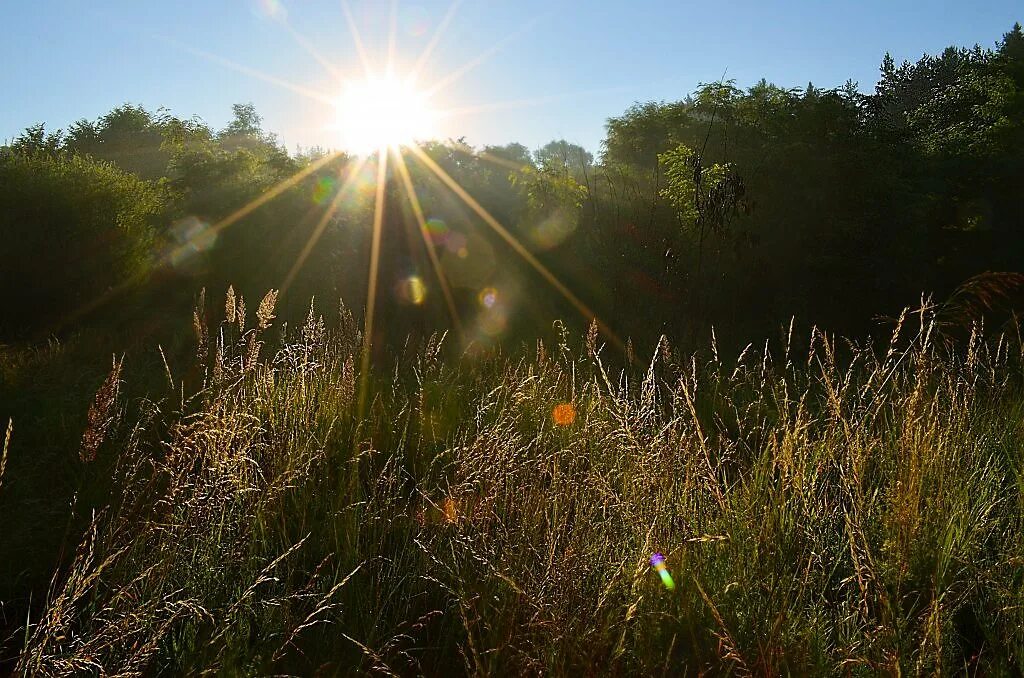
<point>412,290</point>
<point>553,231</point>
<point>564,414</point>
<point>323,189</point>
<point>450,510</point>
<point>385,111</point>
<point>415,21</point>
<point>469,262</point>
<point>454,241</point>
<point>493,322</point>
<point>191,237</point>
<point>437,230</point>
<point>658,563</point>
<point>488,297</point>
<point>273,9</point>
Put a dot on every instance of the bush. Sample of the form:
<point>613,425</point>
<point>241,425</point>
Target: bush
<point>73,230</point>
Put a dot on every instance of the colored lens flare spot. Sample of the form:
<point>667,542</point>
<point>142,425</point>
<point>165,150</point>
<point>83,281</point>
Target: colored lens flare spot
<point>415,21</point>
<point>273,9</point>
<point>451,511</point>
<point>658,563</point>
<point>488,297</point>
<point>553,230</point>
<point>564,414</point>
<point>190,237</point>
<point>411,290</point>
<point>493,321</point>
<point>437,230</point>
<point>454,241</point>
<point>323,189</point>
<point>469,261</point>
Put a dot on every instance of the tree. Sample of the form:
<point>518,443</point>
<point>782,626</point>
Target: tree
<point>135,139</point>
<point>129,135</point>
<point>554,202</point>
<point>245,123</point>
<point>74,229</point>
<point>516,154</point>
<point>35,140</point>
<point>566,156</point>
<point>246,131</point>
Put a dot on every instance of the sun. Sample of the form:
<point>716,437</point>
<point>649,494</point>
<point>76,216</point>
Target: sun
<point>384,112</point>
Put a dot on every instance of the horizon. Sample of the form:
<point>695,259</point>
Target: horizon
<point>498,53</point>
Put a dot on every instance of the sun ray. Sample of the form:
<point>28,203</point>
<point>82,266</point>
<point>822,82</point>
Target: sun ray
<point>501,162</point>
<point>357,39</point>
<point>321,225</point>
<point>371,292</point>
<point>414,202</point>
<point>434,40</point>
<point>216,228</point>
<point>515,244</point>
<point>526,103</point>
<point>402,169</point>
<point>479,59</point>
<point>392,38</point>
<point>312,51</point>
<point>253,73</point>
<point>272,193</point>
<point>494,106</point>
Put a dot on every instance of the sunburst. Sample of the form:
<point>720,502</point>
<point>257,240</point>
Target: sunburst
<point>381,114</point>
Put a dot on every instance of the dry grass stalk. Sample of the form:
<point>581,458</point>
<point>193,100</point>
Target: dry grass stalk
<point>240,314</point>
<point>265,312</point>
<point>200,329</point>
<point>229,305</point>
<point>844,510</point>
<point>3,453</point>
<point>101,413</point>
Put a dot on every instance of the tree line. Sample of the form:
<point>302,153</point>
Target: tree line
<point>730,208</point>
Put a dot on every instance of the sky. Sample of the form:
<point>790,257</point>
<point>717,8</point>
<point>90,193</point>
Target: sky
<point>531,70</point>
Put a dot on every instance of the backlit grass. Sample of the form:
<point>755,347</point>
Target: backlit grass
<point>823,508</point>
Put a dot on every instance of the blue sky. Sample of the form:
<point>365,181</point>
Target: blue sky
<point>579,62</point>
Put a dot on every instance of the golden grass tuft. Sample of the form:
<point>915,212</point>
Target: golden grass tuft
<point>826,509</point>
<point>101,413</point>
<point>6,447</point>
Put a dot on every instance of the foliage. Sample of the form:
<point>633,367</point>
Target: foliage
<point>703,197</point>
<point>135,139</point>
<point>549,189</point>
<point>239,508</point>
<point>826,204</point>
<point>852,204</point>
<point>74,228</point>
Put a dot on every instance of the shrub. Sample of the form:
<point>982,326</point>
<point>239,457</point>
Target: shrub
<point>73,229</point>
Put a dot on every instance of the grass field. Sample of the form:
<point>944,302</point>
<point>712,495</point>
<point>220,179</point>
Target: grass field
<point>824,508</point>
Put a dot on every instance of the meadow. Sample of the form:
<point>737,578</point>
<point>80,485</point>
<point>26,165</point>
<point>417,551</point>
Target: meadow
<point>541,382</point>
<point>824,507</point>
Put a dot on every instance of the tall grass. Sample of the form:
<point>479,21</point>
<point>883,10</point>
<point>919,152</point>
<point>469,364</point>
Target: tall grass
<point>823,509</point>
